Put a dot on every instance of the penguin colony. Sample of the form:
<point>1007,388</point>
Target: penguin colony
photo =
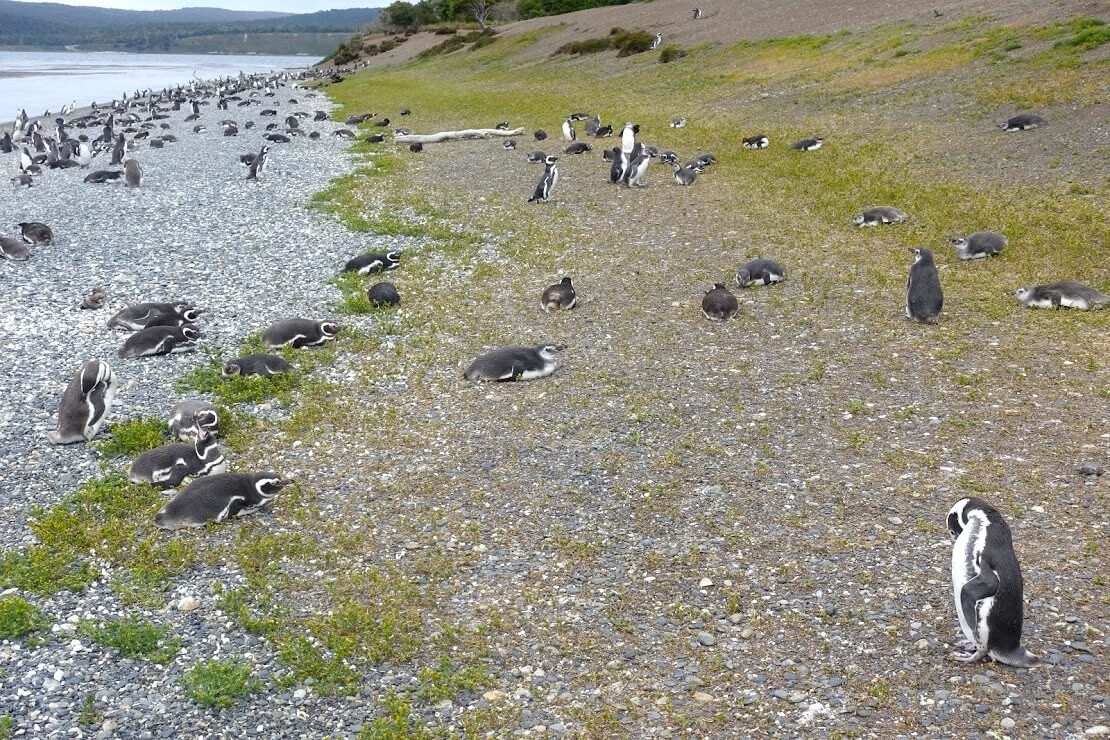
<point>986,577</point>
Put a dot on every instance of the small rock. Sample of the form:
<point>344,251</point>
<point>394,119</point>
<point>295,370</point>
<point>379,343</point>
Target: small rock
<point>702,696</point>
<point>706,639</point>
<point>188,603</point>
<point>922,644</point>
<point>705,583</point>
<point>1097,731</point>
<point>493,696</point>
<point>1008,723</point>
<point>1090,468</point>
<point>747,633</point>
<point>894,519</point>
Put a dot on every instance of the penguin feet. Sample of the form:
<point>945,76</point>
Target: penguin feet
<point>970,657</point>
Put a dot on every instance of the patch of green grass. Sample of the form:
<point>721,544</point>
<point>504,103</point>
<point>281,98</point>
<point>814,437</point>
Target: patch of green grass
<point>19,617</point>
<point>1087,38</point>
<point>6,726</point>
<point>445,681</point>
<point>671,53</point>
<point>132,437</point>
<point>89,715</point>
<point>586,46</point>
<point>218,683</point>
<point>237,389</point>
<point>134,638</point>
<point>396,723</point>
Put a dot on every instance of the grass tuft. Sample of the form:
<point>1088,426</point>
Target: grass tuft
<point>671,53</point>
<point>218,683</point>
<point>395,724</point>
<point>134,638</point>
<point>19,617</point>
<point>132,437</point>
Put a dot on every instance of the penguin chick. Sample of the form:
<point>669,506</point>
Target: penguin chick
<point>1022,122</point>
<point>759,141</point>
<point>719,304</point>
<point>514,363</point>
<point>986,585</point>
<point>924,297</point>
<point>879,215</point>
<point>378,262</point>
<point>978,245</point>
<point>132,174</point>
<point>262,364</point>
<point>1066,293</point>
<point>14,249</point>
<point>560,296</point>
<point>215,498</point>
<point>160,340</point>
<point>35,233</point>
<point>298,333</point>
<point>540,135</point>
<point>85,404</point>
<point>759,271</point>
<point>383,294</point>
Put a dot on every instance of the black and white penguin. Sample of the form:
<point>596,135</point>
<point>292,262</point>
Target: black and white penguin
<point>719,304</point>
<point>95,298</point>
<point>760,271</point>
<point>1066,293</point>
<point>261,364</point>
<point>102,176</point>
<point>14,249</point>
<point>628,137</point>
<point>215,498</point>
<point>298,333</point>
<point>759,141</point>
<point>22,181</point>
<point>537,157</point>
<point>415,148</point>
<point>669,157</point>
<point>808,145</point>
<point>593,125</point>
<point>618,164</point>
<point>604,131</point>
<point>879,215</point>
<point>378,262</point>
<point>375,138</point>
<point>502,126</point>
<point>1022,122</point>
<point>657,42</point>
<point>183,419</point>
<point>697,14</point>
<point>685,175</point>
<point>383,294</point>
<point>258,163</point>
<point>85,404</point>
<point>279,138</point>
<point>578,147</point>
<point>546,186</point>
<point>986,585</point>
<point>924,297</point>
<point>160,340</point>
<point>678,122</point>
<point>978,245</point>
<point>638,167</point>
<point>406,112</point>
<point>167,466</point>
<point>142,315</point>
<point>559,297</point>
<point>514,363</point>
<point>508,145</point>
<point>569,134</point>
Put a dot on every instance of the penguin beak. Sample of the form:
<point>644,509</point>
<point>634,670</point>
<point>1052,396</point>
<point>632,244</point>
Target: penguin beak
<point>283,483</point>
<point>560,347</point>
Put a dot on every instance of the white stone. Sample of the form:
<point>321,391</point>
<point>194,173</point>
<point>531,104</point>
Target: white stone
<point>705,583</point>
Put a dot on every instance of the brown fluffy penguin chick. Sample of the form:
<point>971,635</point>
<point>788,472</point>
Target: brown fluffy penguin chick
<point>560,296</point>
<point>719,304</point>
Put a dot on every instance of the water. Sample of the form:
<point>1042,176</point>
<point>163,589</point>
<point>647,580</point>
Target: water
<point>39,81</point>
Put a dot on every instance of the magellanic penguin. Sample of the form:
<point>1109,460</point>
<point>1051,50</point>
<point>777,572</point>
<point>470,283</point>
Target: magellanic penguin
<point>1066,293</point>
<point>879,215</point>
<point>719,304</point>
<point>514,363</point>
<point>215,498</point>
<point>378,262</point>
<point>14,249</point>
<point>578,147</point>
<point>85,404</point>
<point>924,297</point>
<point>548,181</point>
<point>978,245</point>
<point>628,137</point>
<point>986,585</point>
<point>160,340</point>
<point>539,135</point>
<point>258,163</point>
<point>262,364</point>
<point>167,466</point>
<point>685,175</point>
<point>569,133</point>
<point>183,421</point>
<point>808,145</point>
<point>142,315</point>
<point>537,157</point>
<point>759,141</point>
<point>298,333</point>
<point>637,169</point>
<point>678,122</point>
<point>383,294</point>
<point>100,177</point>
<point>760,271</point>
<point>1022,122</point>
<point>133,174</point>
<point>38,234</point>
<point>560,296</point>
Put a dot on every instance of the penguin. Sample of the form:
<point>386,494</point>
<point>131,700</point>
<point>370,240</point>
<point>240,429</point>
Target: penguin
<point>230,129</point>
<point>685,175</point>
<point>383,294</point>
<point>514,363</point>
<point>298,333</point>
<point>215,498</point>
<point>604,131</point>
<point>258,163</point>
<point>320,116</point>
<point>261,364</point>
<point>569,134</point>
<point>118,151</point>
<point>578,147</point>
<point>183,420</point>
<point>188,316</point>
<point>669,157</point>
<point>547,183</point>
<point>628,137</point>
<point>678,122</point>
<point>85,404</point>
<point>924,297</point>
<point>537,157</point>
<point>382,123</point>
<point>84,154</point>
<point>978,245</point>
<point>142,315</point>
<point>1066,293</point>
<point>94,301</point>
<point>719,304</point>
<point>375,138</point>
<point>38,234</point>
<point>406,112</point>
<point>759,141</point>
<point>808,145</point>
<point>1022,122</point>
<point>13,249</point>
<point>508,145</point>
<point>25,160</point>
<point>160,340</point>
<point>415,148</point>
<point>156,144</point>
<point>697,14</point>
<point>167,466</point>
<point>279,138</point>
<point>759,271</point>
<point>368,263</point>
<point>502,126</point>
<point>23,181</point>
<point>619,164</point>
<point>6,146</point>
<point>559,297</point>
<point>593,125</point>
<point>102,176</point>
<point>657,42</point>
<point>986,585</point>
<point>637,169</point>
<point>879,215</point>
<point>539,135</point>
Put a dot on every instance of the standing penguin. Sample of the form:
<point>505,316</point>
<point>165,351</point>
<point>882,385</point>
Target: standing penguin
<point>215,498</point>
<point>638,168</point>
<point>85,404</point>
<point>258,163</point>
<point>547,183</point>
<point>628,137</point>
<point>986,585</point>
<point>561,295</point>
<point>133,174</point>
<point>924,297</point>
<point>719,304</point>
<point>568,130</point>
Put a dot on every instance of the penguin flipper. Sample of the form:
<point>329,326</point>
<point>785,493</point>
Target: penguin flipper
<point>980,587</point>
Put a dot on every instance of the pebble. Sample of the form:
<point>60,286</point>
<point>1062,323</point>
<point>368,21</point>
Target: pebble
<point>706,639</point>
<point>1090,468</point>
<point>1097,731</point>
<point>188,604</point>
<point>1008,723</point>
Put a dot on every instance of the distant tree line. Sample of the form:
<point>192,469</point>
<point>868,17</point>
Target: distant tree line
<point>403,15</point>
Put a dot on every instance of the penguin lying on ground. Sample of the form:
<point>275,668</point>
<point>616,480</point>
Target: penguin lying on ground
<point>379,262</point>
<point>1022,122</point>
<point>298,333</point>
<point>215,498</point>
<point>167,466</point>
<point>14,249</point>
<point>160,340</point>
<point>183,419</point>
<point>759,141</point>
<point>808,145</point>
<point>719,304</point>
<point>879,215</point>
<point>514,363</point>
<point>142,315</point>
<point>38,234</point>
<point>578,147</point>
<point>85,404</point>
<point>262,364</point>
<point>560,296</point>
<point>383,294</point>
<point>103,176</point>
<point>759,271</point>
<point>1066,293</point>
<point>978,245</point>
<point>986,585</point>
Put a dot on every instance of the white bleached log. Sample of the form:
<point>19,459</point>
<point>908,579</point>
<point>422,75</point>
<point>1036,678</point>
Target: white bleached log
<point>471,133</point>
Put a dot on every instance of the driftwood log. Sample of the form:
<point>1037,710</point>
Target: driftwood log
<point>472,133</point>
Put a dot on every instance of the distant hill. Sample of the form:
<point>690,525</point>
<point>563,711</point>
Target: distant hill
<point>56,26</point>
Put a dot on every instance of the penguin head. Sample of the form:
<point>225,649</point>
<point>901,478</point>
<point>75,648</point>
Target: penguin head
<point>959,242</point>
<point>743,276</point>
<point>190,315</point>
<point>191,332</point>
<point>205,421</point>
<point>1022,294</point>
<point>329,328</point>
<point>393,256</point>
<point>858,219</point>
<point>566,281</point>
<point>268,485</point>
<point>957,517</point>
<point>922,256</point>
<point>550,159</point>
<point>548,351</point>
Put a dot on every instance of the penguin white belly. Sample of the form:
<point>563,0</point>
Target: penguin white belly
<point>982,611</point>
<point>1080,303</point>
<point>966,556</point>
<point>1040,303</point>
<point>538,373</point>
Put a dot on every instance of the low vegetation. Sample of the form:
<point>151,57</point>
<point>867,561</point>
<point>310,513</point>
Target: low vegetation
<point>625,42</point>
<point>18,617</point>
<point>219,683</point>
<point>134,638</point>
<point>671,53</point>
<point>132,437</point>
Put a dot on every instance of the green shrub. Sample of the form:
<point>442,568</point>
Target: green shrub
<point>631,42</point>
<point>18,617</point>
<point>387,45</point>
<point>1089,36</point>
<point>586,46</point>
<point>218,683</point>
<point>132,437</point>
<point>344,55</point>
<point>454,43</point>
<point>134,638</point>
<point>670,53</point>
